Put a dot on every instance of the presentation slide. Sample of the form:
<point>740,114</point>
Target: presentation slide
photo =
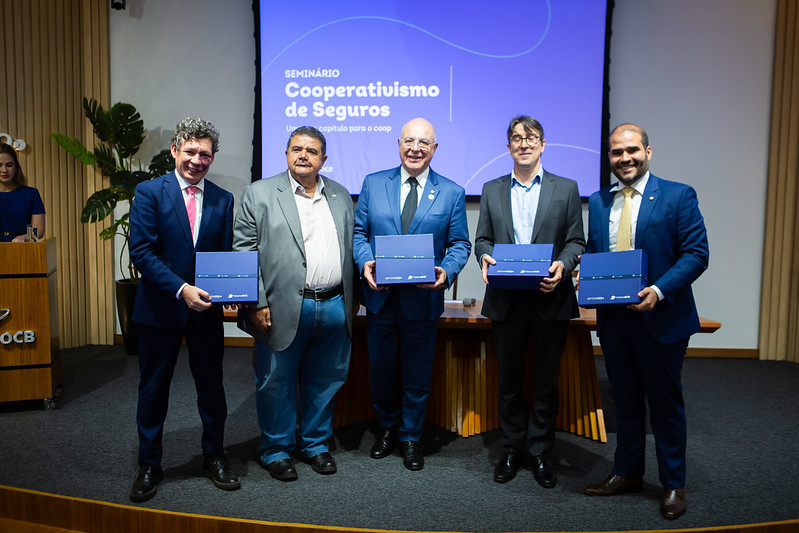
<point>360,69</point>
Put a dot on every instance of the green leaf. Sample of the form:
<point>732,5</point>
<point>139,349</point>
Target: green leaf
<point>103,128</point>
<point>109,232</point>
<point>127,180</point>
<point>100,205</point>
<point>119,227</point>
<point>128,128</point>
<point>162,163</point>
<point>106,161</point>
<point>74,147</point>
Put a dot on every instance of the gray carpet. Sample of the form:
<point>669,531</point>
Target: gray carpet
<point>742,420</point>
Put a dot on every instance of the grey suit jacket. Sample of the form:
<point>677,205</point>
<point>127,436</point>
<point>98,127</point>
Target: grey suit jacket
<point>267,220</point>
<point>558,221</point>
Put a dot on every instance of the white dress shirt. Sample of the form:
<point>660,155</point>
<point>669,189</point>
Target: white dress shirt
<point>319,236</point>
<point>198,211</point>
<point>524,206</point>
<point>405,188</point>
<point>198,201</point>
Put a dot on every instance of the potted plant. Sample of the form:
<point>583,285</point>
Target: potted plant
<point>120,133</point>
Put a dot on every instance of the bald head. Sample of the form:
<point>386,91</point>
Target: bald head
<point>417,144</point>
<point>634,128</point>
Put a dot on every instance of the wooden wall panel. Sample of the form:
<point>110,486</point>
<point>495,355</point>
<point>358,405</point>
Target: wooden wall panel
<point>56,53</point>
<point>779,300</point>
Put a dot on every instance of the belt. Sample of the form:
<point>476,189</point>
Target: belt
<point>322,294</point>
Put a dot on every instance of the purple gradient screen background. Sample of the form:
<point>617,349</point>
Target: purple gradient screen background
<point>484,66</point>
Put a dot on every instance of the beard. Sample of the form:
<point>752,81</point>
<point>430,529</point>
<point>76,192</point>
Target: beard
<point>640,170</point>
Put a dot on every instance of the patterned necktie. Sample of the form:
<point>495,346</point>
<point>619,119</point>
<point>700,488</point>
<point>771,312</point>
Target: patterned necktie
<point>409,209</point>
<point>191,206</point>
<point>623,239</point>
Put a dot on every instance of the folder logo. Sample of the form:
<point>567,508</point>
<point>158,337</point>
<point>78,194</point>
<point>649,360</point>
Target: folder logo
<point>4,313</point>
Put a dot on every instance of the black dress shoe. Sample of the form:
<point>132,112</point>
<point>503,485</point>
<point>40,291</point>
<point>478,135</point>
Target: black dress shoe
<point>323,463</point>
<point>412,454</point>
<point>672,505</point>
<point>613,485</point>
<point>508,466</point>
<point>217,469</point>
<point>146,483</point>
<point>384,445</point>
<point>543,472</point>
<point>282,469</point>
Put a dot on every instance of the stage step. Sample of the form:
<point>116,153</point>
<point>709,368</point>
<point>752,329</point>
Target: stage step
<point>17,526</point>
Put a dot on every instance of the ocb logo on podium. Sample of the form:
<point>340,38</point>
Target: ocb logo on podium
<point>20,337</point>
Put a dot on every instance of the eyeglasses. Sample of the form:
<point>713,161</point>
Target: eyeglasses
<point>531,139</point>
<point>423,143</point>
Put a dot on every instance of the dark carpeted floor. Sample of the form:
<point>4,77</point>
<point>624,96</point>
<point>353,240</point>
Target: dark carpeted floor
<point>742,420</point>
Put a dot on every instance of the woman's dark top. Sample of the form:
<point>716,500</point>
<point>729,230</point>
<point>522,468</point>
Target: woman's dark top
<point>16,209</point>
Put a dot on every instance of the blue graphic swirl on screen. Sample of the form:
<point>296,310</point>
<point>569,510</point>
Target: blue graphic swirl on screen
<point>427,32</point>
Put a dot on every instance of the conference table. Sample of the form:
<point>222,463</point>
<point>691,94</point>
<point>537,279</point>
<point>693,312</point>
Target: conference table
<point>463,395</point>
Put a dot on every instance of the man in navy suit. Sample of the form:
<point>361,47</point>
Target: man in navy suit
<point>406,316</point>
<point>172,218</point>
<point>644,344</point>
<point>530,205</point>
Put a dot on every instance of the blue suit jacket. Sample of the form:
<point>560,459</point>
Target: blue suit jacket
<point>162,250</point>
<point>671,230</point>
<point>441,211</point>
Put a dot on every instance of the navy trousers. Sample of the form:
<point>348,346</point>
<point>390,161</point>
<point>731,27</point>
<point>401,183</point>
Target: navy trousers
<point>158,354</point>
<point>390,335</point>
<point>643,370</point>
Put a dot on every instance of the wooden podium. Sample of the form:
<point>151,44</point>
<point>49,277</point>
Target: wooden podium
<point>29,336</point>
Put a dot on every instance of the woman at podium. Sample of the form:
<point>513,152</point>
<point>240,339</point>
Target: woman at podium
<point>20,205</point>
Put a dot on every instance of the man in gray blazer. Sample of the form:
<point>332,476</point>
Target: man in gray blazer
<point>301,225</point>
<point>530,205</point>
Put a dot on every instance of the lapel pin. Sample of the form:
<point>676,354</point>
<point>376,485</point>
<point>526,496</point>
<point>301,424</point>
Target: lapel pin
<point>651,198</point>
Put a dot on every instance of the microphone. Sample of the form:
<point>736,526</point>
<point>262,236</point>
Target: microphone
<point>468,302</point>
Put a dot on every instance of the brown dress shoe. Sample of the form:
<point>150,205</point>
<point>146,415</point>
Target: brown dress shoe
<point>672,505</point>
<point>613,485</point>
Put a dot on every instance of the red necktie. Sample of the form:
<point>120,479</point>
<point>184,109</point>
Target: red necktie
<point>191,207</point>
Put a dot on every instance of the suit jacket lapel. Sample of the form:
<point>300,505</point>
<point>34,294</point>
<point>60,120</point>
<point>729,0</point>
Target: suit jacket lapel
<point>393,185</point>
<point>209,202</point>
<point>429,195</point>
<point>606,197</point>
<point>334,204</point>
<point>544,199</point>
<point>173,192</point>
<point>505,207</point>
<point>285,199</point>
<point>648,203</point>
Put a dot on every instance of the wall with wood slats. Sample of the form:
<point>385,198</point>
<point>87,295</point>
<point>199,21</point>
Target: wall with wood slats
<point>779,297</point>
<point>55,53</point>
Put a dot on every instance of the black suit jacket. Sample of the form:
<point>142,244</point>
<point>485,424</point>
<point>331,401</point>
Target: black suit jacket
<point>558,221</point>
